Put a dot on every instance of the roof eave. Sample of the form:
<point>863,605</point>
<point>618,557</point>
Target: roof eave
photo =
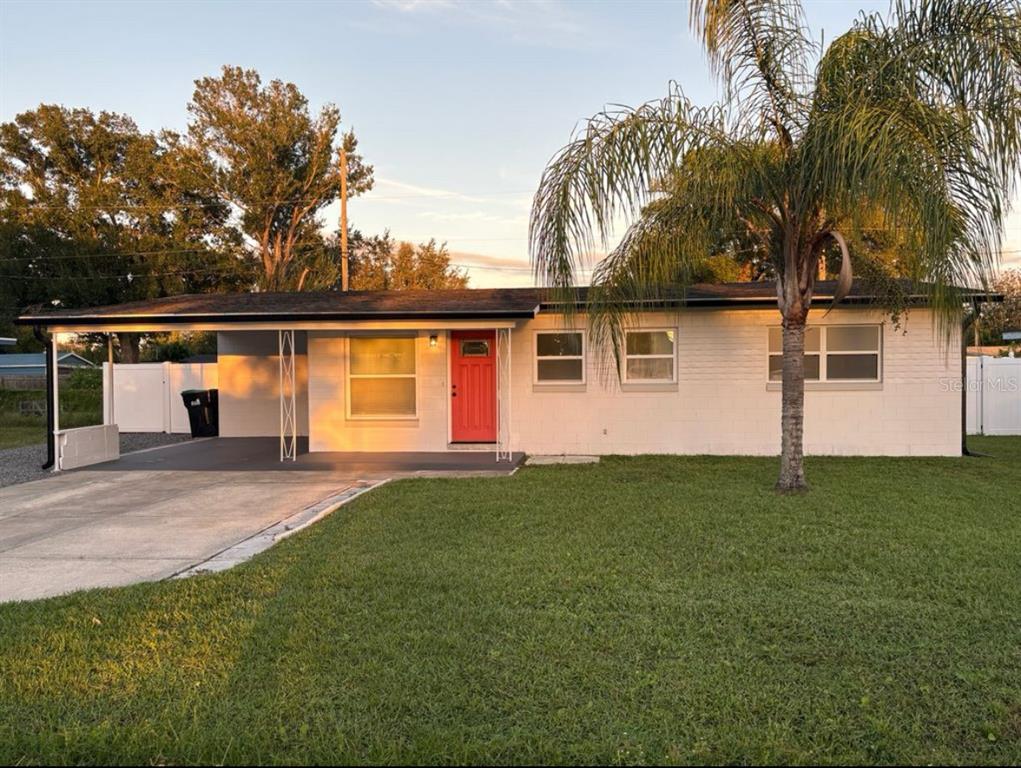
<point>85,320</point>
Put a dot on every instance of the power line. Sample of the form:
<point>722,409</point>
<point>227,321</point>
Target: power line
<point>164,207</point>
<point>181,251</point>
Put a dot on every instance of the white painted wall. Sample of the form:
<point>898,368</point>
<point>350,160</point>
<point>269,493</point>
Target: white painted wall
<point>721,403</point>
<point>84,446</point>
<point>331,429</point>
<point>249,383</point>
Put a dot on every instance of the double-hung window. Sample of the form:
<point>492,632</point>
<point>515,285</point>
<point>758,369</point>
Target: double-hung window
<point>833,353</point>
<point>813,354</point>
<point>650,356</point>
<point>381,377</point>
<point>559,357</point>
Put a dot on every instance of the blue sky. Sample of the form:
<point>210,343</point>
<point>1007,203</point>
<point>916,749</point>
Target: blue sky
<point>459,105</point>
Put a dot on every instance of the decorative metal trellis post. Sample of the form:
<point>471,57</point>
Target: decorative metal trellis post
<point>288,410</point>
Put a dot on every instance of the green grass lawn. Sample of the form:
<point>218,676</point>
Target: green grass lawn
<point>646,610</point>
<point>81,404</point>
<point>14,435</point>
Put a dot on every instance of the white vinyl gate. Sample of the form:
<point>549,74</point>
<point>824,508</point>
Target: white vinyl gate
<point>994,395</point>
<point>147,396</point>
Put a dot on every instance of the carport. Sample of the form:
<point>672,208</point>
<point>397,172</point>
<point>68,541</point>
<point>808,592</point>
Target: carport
<point>431,371</point>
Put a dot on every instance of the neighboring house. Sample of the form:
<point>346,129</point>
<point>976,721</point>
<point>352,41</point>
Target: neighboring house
<point>991,350</point>
<point>34,363</point>
<point>504,369</point>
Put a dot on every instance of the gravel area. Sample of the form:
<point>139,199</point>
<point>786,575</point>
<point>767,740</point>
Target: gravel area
<point>19,465</point>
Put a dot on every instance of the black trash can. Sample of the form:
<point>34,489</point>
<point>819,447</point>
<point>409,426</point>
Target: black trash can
<point>203,411</point>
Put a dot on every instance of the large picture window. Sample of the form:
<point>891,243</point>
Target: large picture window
<point>559,357</point>
<point>381,377</point>
<point>650,356</point>
<point>833,353</point>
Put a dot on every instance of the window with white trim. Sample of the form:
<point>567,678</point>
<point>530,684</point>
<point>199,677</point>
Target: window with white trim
<point>813,354</point>
<point>381,377</point>
<point>833,353</point>
<point>559,357</point>
<point>650,356</point>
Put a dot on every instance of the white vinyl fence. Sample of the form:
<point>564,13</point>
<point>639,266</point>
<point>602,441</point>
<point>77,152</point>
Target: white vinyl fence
<point>994,395</point>
<point>147,396</point>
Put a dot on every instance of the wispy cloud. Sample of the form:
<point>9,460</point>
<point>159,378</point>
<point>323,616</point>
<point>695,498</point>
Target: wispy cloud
<point>546,23</point>
<point>468,258</point>
<point>399,190</point>
<point>476,216</point>
<point>393,190</point>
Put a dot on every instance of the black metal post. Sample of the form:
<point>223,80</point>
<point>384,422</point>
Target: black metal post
<point>51,442</point>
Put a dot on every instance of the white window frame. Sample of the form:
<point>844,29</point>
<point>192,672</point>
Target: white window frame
<point>673,356</point>
<point>537,357</point>
<point>349,376</point>
<point>820,353</point>
<point>824,352</point>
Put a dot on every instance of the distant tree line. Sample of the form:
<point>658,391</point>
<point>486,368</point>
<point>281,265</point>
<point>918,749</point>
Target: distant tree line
<point>94,210</point>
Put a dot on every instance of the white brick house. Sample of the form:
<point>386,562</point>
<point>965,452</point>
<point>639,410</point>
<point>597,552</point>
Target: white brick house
<point>504,370</point>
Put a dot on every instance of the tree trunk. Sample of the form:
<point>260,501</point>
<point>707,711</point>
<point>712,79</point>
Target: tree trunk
<point>792,418</point>
<point>130,344</point>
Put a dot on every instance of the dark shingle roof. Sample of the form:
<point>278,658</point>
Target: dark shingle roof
<point>463,304</point>
<point>324,305</point>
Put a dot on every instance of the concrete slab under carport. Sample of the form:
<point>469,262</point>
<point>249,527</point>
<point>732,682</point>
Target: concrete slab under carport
<point>262,454</point>
<point>154,514</point>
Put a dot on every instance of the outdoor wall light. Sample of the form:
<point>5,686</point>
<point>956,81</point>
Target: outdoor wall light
<point>433,340</point>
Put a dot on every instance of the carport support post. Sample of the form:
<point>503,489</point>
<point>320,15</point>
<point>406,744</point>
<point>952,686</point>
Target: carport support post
<point>55,402</point>
<point>288,412</point>
<point>503,395</point>
<point>110,419</point>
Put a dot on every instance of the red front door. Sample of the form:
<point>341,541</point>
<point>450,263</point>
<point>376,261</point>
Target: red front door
<point>473,386</point>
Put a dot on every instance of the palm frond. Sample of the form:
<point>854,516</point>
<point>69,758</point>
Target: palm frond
<point>921,116</point>
<point>761,51</point>
<point>609,172</point>
<point>715,196</point>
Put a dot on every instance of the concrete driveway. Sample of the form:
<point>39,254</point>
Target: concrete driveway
<point>109,528</point>
<point>204,504</point>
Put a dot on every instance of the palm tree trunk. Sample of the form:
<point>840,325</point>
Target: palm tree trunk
<point>792,418</point>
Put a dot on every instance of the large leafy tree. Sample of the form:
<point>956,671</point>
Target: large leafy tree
<point>380,263</point>
<point>913,119</point>
<point>1006,315</point>
<point>275,164</point>
<point>94,211</point>
<point>424,267</point>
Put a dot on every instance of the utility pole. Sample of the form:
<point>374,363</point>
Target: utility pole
<point>343,220</point>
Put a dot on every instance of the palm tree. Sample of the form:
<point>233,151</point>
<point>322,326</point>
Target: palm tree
<point>916,115</point>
